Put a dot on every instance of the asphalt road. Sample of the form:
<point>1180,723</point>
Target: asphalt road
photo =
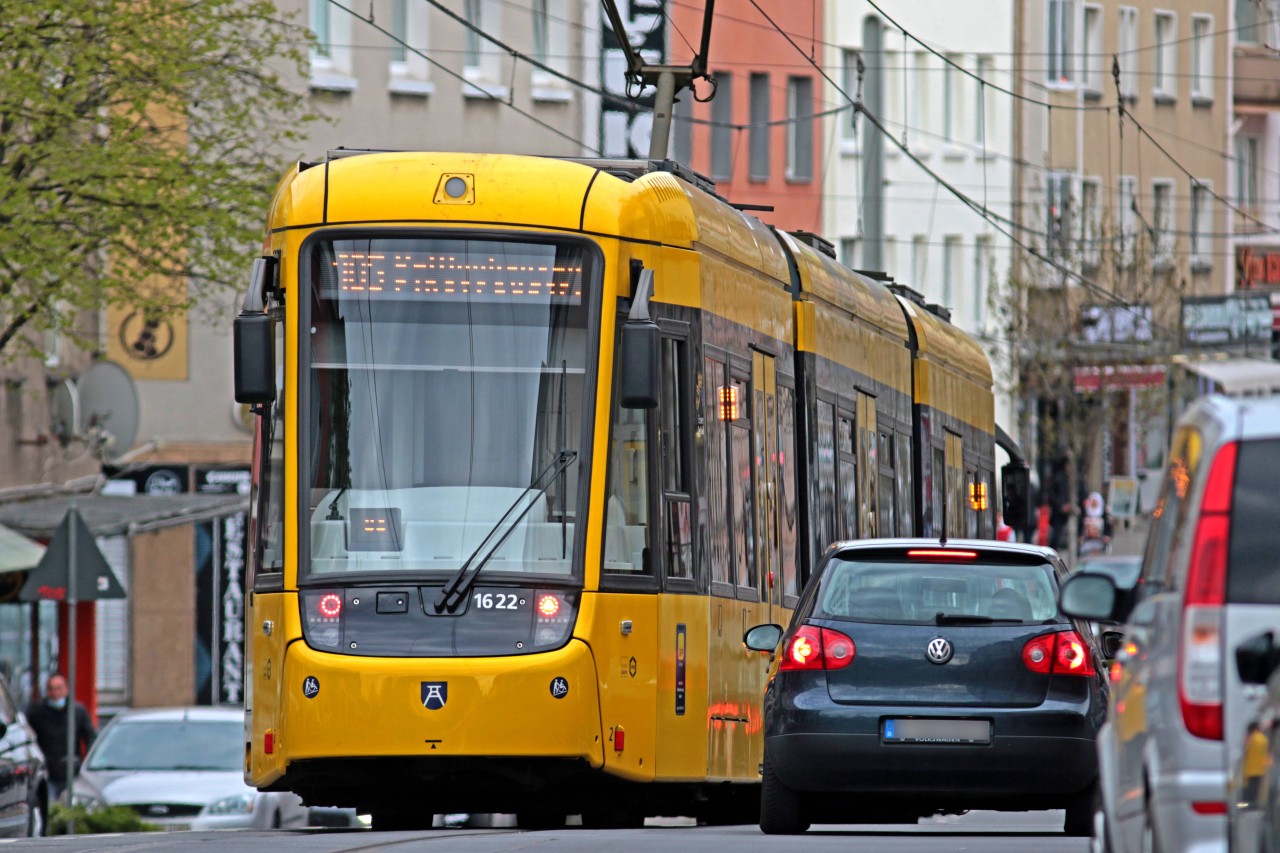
<point>979,832</point>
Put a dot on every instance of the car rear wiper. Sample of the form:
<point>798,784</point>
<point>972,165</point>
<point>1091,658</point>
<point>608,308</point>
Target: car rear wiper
<point>968,619</point>
<point>459,585</point>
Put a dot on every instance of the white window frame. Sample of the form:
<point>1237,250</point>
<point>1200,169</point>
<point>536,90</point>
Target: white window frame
<point>919,260</point>
<point>550,46</point>
<point>894,97</point>
<point>953,112</point>
<point>1248,148</point>
<point>1090,221</point>
<point>848,135</point>
<point>408,72</point>
<point>952,259</point>
<point>981,278</point>
<point>1202,74</point>
<point>984,118</point>
<point>1127,220</point>
<point>1201,225</point>
<point>1093,61</point>
<point>1164,222</point>
<point>1164,87</point>
<point>1060,30</point>
<point>481,59</point>
<point>331,51</point>
<point>1127,41</point>
<point>922,118</point>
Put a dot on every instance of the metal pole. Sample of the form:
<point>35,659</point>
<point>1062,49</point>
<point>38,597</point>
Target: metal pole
<point>71,668</point>
<point>663,104</point>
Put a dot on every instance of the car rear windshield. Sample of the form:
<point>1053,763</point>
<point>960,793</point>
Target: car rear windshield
<point>170,745</point>
<point>915,591</point>
<point>1253,574</point>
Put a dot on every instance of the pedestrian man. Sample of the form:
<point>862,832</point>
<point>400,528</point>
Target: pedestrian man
<point>49,719</point>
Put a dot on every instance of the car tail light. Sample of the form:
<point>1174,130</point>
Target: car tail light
<point>1059,653</point>
<point>811,647</point>
<point>941,554</point>
<point>1200,656</point>
<point>322,618</point>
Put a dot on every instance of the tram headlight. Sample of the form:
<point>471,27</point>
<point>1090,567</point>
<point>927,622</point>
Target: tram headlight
<point>322,618</point>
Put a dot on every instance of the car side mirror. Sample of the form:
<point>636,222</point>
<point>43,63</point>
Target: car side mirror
<point>1257,658</point>
<point>763,638</point>
<point>1111,643</point>
<point>1089,596</point>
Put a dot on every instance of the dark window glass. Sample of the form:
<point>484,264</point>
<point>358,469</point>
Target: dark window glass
<point>905,483</point>
<point>826,521</point>
<point>887,503</point>
<point>1253,574</point>
<point>744,536</point>
<point>717,473</point>
<point>674,426</point>
<point>788,520</point>
<point>267,506</point>
<point>722,131</point>
<point>1184,458</point>
<point>760,130</point>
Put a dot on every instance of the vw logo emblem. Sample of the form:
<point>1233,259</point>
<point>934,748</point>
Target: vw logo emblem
<point>939,650</point>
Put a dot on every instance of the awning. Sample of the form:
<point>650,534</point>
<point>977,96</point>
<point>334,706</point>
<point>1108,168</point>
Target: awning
<point>1239,377</point>
<point>113,515</point>
<point>17,552</point>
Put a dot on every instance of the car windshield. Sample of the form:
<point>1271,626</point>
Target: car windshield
<point>170,745</point>
<point>963,593</point>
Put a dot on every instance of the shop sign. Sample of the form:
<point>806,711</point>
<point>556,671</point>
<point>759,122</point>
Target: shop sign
<point>1234,319</point>
<point>1257,266</point>
<point>1114,324</point>
<point>1118,377</point>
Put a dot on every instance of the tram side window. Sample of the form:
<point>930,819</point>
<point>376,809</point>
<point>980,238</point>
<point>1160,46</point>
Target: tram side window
<point>906,486</point>
<point>675,463</point>
<point>788,518</point>
<point>626,530</point>
<point>848,478</point>
<point>939,492</point>
<point>717,409</point>
<point>887,502</point>
<point>744,534</point>
<point>268,504</point>
<point>825,524</point>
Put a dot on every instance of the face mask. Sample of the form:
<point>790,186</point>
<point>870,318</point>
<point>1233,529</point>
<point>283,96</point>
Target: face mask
<point>57,704</point>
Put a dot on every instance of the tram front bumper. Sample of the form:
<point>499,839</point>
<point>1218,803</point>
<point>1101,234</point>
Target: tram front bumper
<point>528,706</point>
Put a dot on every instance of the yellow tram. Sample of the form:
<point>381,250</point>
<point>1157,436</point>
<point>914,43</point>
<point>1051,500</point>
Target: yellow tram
<point>538,439</point>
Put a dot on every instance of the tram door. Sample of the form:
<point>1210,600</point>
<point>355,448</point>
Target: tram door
<point>764,444</point>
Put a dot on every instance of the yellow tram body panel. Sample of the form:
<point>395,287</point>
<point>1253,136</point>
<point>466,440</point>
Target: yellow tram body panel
<point>952,373</point>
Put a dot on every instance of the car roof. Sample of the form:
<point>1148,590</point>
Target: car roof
<point>197,713</point>
<point>984,546</point>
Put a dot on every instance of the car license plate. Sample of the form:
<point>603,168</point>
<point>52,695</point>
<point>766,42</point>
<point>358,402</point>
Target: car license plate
<point>176,827</point>
<point>915,730</point>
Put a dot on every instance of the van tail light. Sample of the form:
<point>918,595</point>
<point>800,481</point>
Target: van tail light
<point>322,618</point>
<point>1060,653</point>
<point>813,648</point>
<point>1200,659</point>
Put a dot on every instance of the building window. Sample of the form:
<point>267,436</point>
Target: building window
<point>682,128</point>
<point>1128,52</point>
<point>759,131</point>
<point>1247,171</point>
<point>408,68</point>
<point>851,252</point>
<point>1091,221</point>
<point>950,268</point>
<point>894,94</point>
<point>846,120</point>
<point>482,62</point>
<point>922,118</point>
<point>981,274</point>
<point>551,48</point>
<point>919,260</point>
<point>891,255</point>
<point>800,129</point>
<point>1127,218</point>
<point>1248,30</point>
<point>984,118</point>
<point>722,130</point>
<point>1061,22</point>
<point>952,112</point>
<point>1163,224</point>
<point>1202,58</point>
<point>1201,225</point>
<point>1094,64</point>
<point>331,52</point>
<point>1058,202</point>
<point>1166,56</point>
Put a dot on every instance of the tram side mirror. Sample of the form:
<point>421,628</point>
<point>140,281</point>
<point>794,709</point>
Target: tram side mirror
<point>1015,491</point>
<point>641,367</point>
<point>253,341</point>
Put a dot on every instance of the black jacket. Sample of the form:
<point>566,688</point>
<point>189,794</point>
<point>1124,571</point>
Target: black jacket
<point>50,725</point>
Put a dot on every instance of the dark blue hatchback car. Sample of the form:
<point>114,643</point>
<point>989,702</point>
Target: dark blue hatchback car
<point>919,677</point>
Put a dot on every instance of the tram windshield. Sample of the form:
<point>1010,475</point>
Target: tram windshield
<point>444,376</point>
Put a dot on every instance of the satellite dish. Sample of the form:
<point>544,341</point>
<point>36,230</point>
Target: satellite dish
<point>64,407</point>
<point>108,409</point>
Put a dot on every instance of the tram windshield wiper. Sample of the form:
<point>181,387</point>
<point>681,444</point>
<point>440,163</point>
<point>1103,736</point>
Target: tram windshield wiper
<point>455,591</point>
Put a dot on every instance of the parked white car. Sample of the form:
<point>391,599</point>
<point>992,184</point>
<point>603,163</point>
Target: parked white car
<point>182,768</point>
